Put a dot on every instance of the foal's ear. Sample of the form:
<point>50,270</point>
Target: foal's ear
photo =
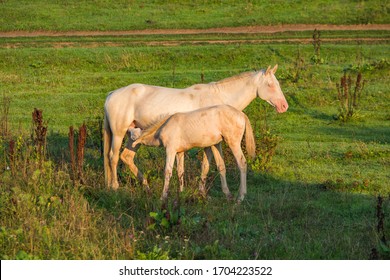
<point>274,69</point>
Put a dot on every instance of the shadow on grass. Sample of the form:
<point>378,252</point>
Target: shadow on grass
<point>277,220</point>
<point>378,134</point>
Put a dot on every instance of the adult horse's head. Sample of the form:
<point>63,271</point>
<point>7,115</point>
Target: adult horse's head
<point>269,90</point>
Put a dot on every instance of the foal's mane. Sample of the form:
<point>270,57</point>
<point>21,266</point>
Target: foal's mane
<point>152,128</point>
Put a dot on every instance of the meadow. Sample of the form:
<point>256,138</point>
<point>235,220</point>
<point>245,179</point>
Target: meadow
<point>138,14</point>
<point>318,188</point>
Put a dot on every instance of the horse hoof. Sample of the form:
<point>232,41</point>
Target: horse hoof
<point>240,200</point>
<point>115,186</point>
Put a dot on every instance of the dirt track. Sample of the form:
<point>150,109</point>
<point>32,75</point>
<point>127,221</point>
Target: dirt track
<point>222,30</point>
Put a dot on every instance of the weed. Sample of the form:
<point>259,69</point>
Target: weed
<point>316,58</point>
<point>77,161</point>
<point>38,134</point>
<point>299,66</point>
<point>348,98</point>
<point>160,218</point>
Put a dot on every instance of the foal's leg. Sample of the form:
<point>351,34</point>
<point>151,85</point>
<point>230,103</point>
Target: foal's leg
<point>180,169</point>
<point>207,154</point>
<point>170,161</point>
<point>217,152</point>
<point>127,157</point>
<point>242,165</point>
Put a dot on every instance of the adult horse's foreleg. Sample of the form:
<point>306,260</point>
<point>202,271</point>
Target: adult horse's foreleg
<point>180,169</point>
<point>217,152</point>
<point>127,157</point>
<point>242,165</point>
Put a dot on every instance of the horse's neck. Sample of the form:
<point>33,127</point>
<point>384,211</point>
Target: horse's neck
<point>238,94</point>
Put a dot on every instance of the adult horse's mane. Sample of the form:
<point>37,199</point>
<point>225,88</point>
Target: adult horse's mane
<point>236,77</point>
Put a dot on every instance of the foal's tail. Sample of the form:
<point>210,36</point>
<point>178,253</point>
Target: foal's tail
<point>107,136</point>
<point>249,139</point>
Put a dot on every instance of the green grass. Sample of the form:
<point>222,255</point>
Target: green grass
<point>127,15</point>
<point>317,199</point>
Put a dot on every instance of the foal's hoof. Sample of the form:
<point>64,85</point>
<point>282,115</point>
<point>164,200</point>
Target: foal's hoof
<point>240,200</point>
<point>229,197</point>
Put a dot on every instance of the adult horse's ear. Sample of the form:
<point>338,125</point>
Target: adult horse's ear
<point>268,70</point>
<point>274,69</point>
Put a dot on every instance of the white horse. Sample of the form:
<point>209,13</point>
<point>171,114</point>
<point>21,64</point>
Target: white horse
<point>201,128</point>
<point>139,105</point>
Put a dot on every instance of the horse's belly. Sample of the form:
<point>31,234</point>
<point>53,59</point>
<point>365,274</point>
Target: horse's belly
<point>201,141</point>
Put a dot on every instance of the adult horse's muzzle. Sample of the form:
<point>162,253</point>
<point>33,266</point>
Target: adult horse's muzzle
<point>280,105</point>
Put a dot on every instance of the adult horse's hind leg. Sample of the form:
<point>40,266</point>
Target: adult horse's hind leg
<point>114,158</point>
<point>127,157</point>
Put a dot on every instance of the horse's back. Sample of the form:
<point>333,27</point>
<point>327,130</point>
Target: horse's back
<point>123,97</point>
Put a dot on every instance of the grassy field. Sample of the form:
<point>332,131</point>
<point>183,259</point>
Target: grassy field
<point>318,189</point>
<point>316,199</point>
<point>136,14</point>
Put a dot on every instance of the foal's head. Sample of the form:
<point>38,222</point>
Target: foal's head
<point>268,89</point>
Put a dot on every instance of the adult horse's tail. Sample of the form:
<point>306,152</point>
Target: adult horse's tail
<point>250,143</point>
<point>107,138</point>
